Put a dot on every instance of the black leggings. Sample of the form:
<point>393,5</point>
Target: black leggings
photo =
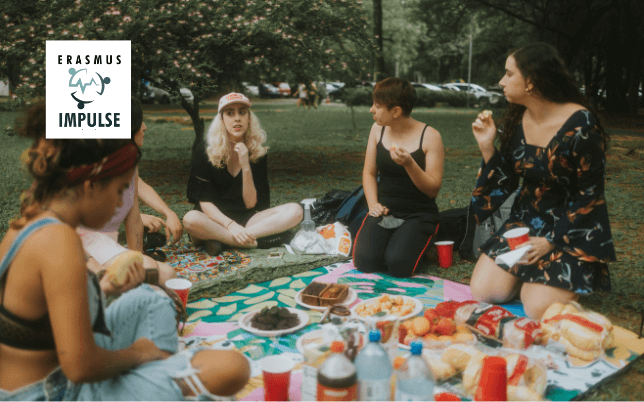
<point>396,252</point>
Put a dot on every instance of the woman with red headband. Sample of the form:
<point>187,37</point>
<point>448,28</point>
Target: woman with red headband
<point>57,342</point>
<point>102,247</point>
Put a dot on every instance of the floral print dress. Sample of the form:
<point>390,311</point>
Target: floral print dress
<point>561,198</point>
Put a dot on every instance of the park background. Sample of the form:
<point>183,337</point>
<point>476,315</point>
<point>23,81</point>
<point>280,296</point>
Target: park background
<point>212,47</point>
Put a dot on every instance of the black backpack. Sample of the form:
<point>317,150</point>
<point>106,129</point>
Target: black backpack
<point>352,211</point>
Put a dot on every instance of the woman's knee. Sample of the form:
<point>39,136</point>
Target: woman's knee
<point>165,271</point>
<point>536,298</point>
<point>296,211</point>
<point>191,221</point>
<point>399,264</point>
<point>222,372</point>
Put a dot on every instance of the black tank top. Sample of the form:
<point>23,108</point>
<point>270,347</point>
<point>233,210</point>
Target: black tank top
<point>396,190</point>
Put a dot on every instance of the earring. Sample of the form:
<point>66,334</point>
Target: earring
<point>528,91</point>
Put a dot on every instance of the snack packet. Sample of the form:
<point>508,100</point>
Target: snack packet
<point>498,323</point>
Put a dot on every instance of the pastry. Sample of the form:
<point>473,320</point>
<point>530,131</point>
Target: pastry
<point>117,271</point>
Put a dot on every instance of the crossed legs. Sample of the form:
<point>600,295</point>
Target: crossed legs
<point>492,284</point>
<point>264,223</point>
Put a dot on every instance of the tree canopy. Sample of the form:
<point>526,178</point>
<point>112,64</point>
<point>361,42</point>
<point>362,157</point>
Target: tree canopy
<point>205,46</point>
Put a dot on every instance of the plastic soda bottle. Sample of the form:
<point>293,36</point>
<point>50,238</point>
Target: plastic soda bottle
<point>337,379</point>
<point>414,380</point>
<point>374,371</point>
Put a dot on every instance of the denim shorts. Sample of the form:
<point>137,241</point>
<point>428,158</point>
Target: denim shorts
<point>141,312</point>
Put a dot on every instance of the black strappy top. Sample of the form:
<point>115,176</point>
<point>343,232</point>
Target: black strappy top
<point>37,334</point>
<point>396,190</point>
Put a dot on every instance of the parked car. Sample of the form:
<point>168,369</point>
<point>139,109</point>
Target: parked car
<point>283,87</point>
<point>250,90</point>
<point>431,87</point>
<point>485,97</point>
<point>269,91</point>
<point>334,90</point>
<point>152,94</point>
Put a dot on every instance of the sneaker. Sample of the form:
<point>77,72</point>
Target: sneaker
<point>213,247</point>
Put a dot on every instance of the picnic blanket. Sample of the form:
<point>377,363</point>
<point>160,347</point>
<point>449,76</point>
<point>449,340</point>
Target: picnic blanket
<point>234,269</point>
<point>213,322</point>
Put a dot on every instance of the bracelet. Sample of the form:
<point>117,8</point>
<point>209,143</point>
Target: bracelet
<point>229,223</point>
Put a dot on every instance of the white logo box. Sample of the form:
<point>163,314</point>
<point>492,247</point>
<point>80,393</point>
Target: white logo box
<point>88,89</point>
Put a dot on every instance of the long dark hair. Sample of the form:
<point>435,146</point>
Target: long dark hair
<point>136,112</point>
<point>49,159</point>
<point>540,64</point>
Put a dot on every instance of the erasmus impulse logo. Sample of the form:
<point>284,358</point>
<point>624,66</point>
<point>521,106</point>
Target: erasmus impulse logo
<point>88,89</point>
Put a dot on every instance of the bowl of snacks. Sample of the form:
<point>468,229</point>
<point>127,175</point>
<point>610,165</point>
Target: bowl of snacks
<point>273,321</point>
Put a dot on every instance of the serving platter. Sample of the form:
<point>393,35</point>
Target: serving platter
<point>386,315</point>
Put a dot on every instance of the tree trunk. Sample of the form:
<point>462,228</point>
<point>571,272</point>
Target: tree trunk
<point>197,122</point>
<point>377,32</point>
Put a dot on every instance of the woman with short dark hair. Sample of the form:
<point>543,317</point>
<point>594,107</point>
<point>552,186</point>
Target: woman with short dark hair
<point>407,155</point>
<point>552,139</point>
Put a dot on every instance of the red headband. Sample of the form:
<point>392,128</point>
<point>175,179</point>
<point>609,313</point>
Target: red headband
<point>112,165</point>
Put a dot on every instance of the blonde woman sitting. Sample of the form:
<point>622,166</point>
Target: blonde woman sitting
<point>229,185</point>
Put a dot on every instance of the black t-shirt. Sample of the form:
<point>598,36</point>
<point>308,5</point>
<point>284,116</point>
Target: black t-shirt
<point>210,184</point>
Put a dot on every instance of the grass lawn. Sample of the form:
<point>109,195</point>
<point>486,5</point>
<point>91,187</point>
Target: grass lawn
<point>312,152</point>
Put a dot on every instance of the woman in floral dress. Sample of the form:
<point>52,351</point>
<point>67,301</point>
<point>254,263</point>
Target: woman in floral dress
<point>550,138</point>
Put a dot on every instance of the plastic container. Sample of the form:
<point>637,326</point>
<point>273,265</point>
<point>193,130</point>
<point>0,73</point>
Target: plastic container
<point>414,380</point>
<point>337,377</point>
<point>374,371</point>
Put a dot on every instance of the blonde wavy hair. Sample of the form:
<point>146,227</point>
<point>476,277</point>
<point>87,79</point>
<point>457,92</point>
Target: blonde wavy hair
<point>219,148</point>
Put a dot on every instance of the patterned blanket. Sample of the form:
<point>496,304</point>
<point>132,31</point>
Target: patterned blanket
<point>234,269</point>
<point>213,321</point>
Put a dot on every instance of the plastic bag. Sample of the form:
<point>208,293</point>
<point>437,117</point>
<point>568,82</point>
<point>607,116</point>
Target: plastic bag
<point>526,377</point>
<point>306,242</point>
<point>582,333</point>
<point>332,239</point>
<point>337,237</point>
<point>497,323</point>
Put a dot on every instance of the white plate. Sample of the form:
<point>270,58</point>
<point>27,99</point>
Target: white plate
<point>316,335</point>
<point>244,323</point>
<point>351,297</point>
<point>417,309</point>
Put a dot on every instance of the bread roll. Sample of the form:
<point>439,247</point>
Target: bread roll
<point>441,370</point>
<point>553,310</point>
<point>472,373</point>
<point>117,271</point>
<point>519,393</point>
<point>572,350</point>
<point>458,355</point>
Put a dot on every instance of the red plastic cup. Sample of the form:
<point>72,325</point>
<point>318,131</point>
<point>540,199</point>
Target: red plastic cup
<point>181,286</point>
<point>517,237</point>
<point>276,371</point>
<point>494,380</point>
<point>444,253</point>
<point>446,396</point>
